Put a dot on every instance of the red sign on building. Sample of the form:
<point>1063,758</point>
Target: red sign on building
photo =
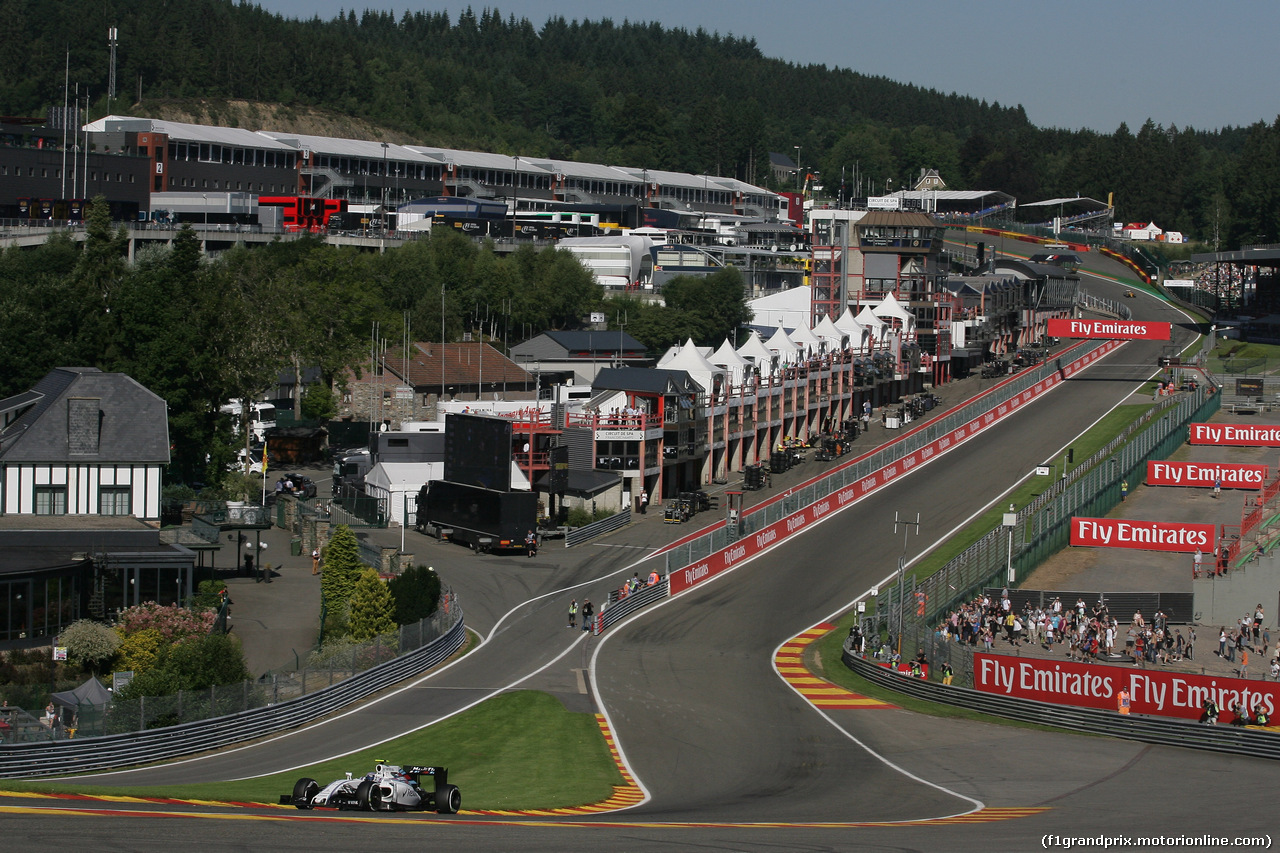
<point>1235,435</point>
<point>1202,475</point>
<point>1159,693</point>
<point>1142,535</point>
<point>1127,330</point>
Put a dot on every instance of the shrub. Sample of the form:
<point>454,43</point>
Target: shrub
<point>172,621</point>
<point>416,593</point>
<point>342,567</point>
<point>89,644</point>
<point>142,650</point>
<point>372,608</point>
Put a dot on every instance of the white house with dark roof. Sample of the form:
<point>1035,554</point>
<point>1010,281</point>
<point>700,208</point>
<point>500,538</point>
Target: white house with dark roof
<point>83,442</point>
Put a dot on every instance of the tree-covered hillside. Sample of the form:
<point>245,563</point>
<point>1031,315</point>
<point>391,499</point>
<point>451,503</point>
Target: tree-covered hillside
<point>635,94</point>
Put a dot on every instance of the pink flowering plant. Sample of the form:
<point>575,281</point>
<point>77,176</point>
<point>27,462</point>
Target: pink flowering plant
<point>173,622</point>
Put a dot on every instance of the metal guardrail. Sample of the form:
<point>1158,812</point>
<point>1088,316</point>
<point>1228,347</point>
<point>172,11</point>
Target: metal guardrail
<point>1167,732</point>
<point>597,528</point>
<point>114,751</point>
<point>624,607</point>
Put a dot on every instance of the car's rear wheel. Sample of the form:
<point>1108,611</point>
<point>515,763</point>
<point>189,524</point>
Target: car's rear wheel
<point>369,796</point>
<point>448,799</point>
<point>304,792</point>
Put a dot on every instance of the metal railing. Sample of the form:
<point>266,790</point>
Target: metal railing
<point>1043,526</point>
<point>1168,732</point>
<point>83,754</point>
<point>597,528</point>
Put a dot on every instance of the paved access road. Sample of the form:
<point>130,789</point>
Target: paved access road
<point>726,749</point>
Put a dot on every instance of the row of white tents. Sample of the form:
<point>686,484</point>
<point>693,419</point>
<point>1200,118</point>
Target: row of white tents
<point>869,331</point>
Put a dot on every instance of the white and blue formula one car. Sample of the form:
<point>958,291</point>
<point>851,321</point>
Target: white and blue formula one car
<point>389,788</point>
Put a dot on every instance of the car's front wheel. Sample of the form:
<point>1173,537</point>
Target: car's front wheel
<point>369,796</point>
<point>448,799</point>
<point>304,792</point>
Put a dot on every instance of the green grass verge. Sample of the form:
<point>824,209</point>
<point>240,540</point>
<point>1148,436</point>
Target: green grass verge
<point>520,750</point>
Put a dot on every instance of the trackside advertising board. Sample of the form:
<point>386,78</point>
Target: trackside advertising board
<point>1125,330</point>
<point>1158,693</point>
<point>1142,535</point>
<point>760,540</point>
<point>1202,475</point>
<point>1235,435</point>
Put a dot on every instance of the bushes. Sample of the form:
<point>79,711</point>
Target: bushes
<point>342,567</point>
<point>89,644</point>
<point>416,593</point>
<point>172,621</point>
<point>372,608</point>
<point>579,517</point>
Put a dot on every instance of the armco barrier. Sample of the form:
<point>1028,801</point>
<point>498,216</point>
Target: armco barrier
<point>809,502</point>
<point>1168,732</point>
<point>624,607</point>
<point>114,751</point>
<point>597,528</point>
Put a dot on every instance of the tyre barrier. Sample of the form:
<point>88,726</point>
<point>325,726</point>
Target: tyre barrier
<point>109,752</point>
<point>1158,730</point>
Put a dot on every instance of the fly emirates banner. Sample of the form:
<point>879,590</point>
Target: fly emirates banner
<point>1236,435</point>
<point>1204,474</point>
<point>1125,330</point>
<point>1142,535</point>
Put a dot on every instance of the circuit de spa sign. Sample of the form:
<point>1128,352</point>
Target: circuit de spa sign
<point>1159,693</point>
<point>1234,435</point>
<point>1203,475</point>
<point>1124,330</point>
<point>1142,535</point>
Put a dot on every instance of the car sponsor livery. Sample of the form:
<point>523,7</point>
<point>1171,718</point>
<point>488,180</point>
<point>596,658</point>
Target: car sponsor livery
<point>1125,330</point>
<point>389,788</point>
<point>1235,435</point>
<point>1152,692</point>
<point>1204,475</point>
<point>1142,535</point>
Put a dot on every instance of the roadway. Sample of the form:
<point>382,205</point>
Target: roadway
<point>726,750</point>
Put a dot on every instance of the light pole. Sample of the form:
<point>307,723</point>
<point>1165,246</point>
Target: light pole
<point>797,147</point>
<point>1010,522</point>
<point>902,566</point>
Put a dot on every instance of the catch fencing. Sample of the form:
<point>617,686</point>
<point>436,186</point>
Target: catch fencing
<point>1044,526</point>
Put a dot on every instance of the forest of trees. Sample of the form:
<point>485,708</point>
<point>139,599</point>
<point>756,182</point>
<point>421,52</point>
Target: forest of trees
<point>635,94</point>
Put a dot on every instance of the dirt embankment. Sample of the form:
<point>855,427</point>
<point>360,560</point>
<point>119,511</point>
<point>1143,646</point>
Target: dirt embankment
<point>252,115</point>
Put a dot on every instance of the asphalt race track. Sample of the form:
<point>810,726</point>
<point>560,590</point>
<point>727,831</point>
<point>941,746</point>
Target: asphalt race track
<point>731,757</point>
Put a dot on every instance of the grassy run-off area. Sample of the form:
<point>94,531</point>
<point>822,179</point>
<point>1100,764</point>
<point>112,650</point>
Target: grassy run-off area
<point>520,750</point>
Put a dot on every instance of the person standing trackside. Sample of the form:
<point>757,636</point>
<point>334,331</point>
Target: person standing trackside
<point>644,502</point>
<point>1195,563</point>
<point>315,561</point>
<point>1217,487</point>
<point>573,614</point>
<point>1124,490</point>
<point>1122,702</point>
<point>587,612</point>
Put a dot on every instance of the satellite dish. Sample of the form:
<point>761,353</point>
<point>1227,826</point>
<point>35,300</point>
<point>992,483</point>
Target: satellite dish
<point>794,247</point>
<point>773,248</point>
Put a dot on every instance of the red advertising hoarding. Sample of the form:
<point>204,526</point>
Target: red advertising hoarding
<point>1125,330</point>
<point>1159,693</point>
<point>1202,475</point>
<point>1235,435</point>
<point>1142,535</point>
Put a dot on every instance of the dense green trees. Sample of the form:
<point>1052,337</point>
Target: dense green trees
<point>632,93</point>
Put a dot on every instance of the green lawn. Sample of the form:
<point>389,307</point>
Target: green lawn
<point>519,750</point>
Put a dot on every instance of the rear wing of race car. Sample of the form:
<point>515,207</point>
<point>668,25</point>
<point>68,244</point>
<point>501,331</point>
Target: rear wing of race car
<point>440,774</point>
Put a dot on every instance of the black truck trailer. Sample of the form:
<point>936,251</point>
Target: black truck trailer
<point>485,519</point>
